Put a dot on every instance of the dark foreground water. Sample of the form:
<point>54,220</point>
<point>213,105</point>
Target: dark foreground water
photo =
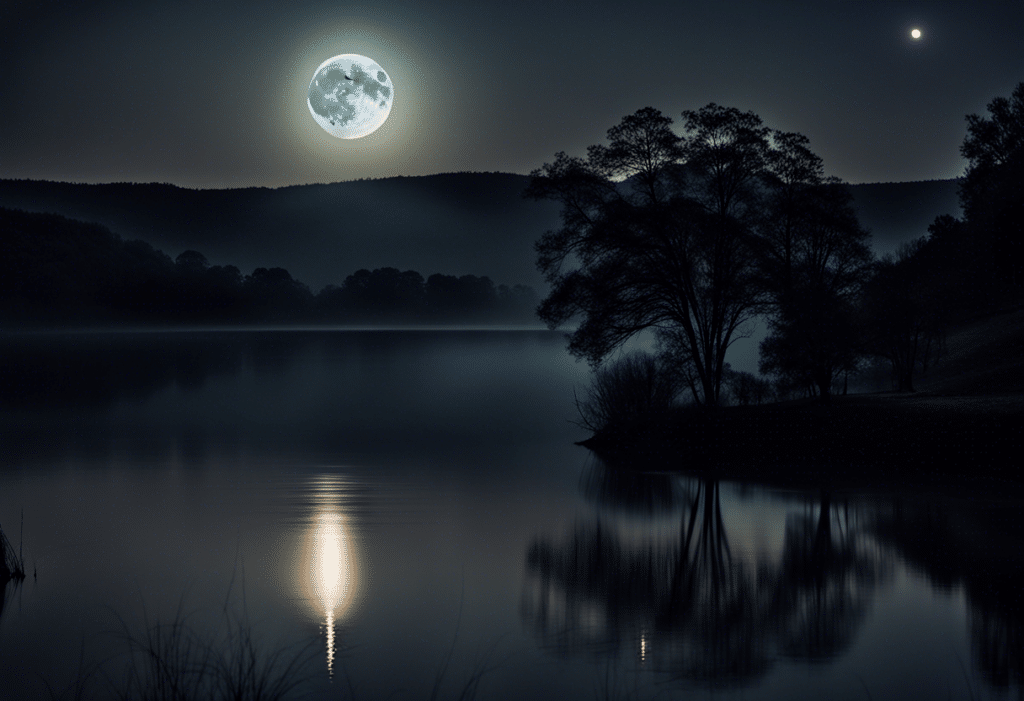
<point>411,507</point>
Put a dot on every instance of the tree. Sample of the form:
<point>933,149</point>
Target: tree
<point>276,296</point>
<point>813,258</point>
<point>693,235</point>
<point>655,235</point>
<point>517,302</point>
<point>384,293</point>
<point>192,261</point>
<point>990,192</point>
<point>905,319</point>
<point>798,174</point>
<point>814,339</point>
<point>992,146</point>
<point>463,298</point>
<point>746,388</point>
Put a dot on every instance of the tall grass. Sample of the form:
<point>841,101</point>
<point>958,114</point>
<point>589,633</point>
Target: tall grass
<point>471,687</point>
<point>12,566</point>
<point>172,660</point>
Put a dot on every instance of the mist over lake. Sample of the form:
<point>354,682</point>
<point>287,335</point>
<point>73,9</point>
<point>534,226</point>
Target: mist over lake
<point>180,469</point>
<point>371,351</point>
<point>454,223</point>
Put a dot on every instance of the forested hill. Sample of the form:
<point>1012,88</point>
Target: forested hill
<point>897,212</point>
<point>56,271</point>
<point>455,223</point>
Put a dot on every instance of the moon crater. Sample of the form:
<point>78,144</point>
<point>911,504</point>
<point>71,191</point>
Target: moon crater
<point>350,96</point>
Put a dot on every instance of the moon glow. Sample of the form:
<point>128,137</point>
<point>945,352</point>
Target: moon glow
<point>915,33</point>
<point>350,96</point>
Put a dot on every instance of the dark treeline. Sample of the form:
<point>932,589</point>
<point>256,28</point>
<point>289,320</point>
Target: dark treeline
<point>432,223</point>
<point>965,267</point>
<point>696,236</point>
<point>55,270</point>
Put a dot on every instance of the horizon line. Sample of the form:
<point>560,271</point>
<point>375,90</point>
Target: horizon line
<point>375,179</point>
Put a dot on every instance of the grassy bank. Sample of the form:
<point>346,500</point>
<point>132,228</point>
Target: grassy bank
<point>854,438</point>
<point>964,425</point>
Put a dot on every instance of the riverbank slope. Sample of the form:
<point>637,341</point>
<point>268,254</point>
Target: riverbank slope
<point>964,423</point>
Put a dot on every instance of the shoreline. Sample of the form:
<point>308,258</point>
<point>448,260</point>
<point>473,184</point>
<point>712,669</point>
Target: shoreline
<point>854,440</point>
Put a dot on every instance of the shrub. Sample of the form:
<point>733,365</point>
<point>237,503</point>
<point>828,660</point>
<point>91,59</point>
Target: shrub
<point>747,388</point>
<point>633,386</point>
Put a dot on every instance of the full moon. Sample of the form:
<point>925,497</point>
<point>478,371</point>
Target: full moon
<point>350,96</point>
<point>916,33</point>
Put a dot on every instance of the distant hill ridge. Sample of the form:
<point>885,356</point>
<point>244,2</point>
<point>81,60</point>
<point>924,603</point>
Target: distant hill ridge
<point>453,223</point>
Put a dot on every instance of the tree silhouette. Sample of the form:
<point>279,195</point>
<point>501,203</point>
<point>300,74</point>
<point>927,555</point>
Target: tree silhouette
<point>746,388</point>
<point>275,296</point>
<point>990,192</point>
<point>905,317</point>
<point>814,339</point>
<point>55,270</point>
<point>813,256</point>
<point>193,261</point>
<point>383,293</point>
<point>665,249</point>
<point>693,235</point>
<point>470,297</point>
<point>978,256</point>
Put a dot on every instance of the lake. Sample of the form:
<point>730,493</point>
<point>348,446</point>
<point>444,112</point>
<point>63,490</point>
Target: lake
<point>407,508</point>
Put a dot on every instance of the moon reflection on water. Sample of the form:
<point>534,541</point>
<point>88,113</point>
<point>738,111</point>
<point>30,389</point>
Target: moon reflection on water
<point>328,573</point>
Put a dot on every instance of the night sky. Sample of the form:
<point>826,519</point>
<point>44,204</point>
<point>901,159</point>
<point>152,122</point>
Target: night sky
<point>214,94</point>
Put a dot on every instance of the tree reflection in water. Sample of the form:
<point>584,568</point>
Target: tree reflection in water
<point>629,492</point>
<point>825,583</point>
<point>976,544</point>
<point>712,626</point>
<point>680,601</point>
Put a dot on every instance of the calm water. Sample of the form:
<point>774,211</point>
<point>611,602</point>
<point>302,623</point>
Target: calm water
<point>398,498</point>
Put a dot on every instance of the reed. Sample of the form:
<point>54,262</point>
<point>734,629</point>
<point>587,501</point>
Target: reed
<point>12,566</point>
<point>171,660</point>
<point>471,686</point>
